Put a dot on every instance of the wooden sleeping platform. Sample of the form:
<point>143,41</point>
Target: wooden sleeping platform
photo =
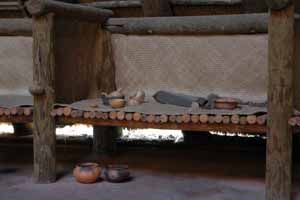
<point>60,75</point>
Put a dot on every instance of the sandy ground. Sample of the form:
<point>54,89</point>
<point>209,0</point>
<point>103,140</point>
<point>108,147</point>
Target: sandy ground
<point>158,174</point>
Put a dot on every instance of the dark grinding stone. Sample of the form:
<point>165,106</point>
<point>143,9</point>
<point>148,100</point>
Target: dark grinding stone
<point>178,99</point>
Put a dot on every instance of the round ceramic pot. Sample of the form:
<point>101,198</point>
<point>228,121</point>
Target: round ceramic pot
<point>226,103</point>
<point>87,172</point>
<point>117,173</point>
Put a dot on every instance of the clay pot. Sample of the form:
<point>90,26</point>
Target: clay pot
<point>117,173</point>
<point>116,94</point>
<point>137,99</point>
<point>117,103</point>
<point>87,172</point>
<point>226,103</point>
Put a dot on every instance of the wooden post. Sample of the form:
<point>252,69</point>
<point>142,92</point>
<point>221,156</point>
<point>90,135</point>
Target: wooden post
<point>280,104</point>
<point>156,8</point>
<point>104,139</point>
<point>43,122</point>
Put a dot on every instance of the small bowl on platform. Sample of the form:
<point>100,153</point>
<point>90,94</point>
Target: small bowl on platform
<point>87,172</point>
<point>116,173</point>
<point>226,103</point>
<point>117,103</point>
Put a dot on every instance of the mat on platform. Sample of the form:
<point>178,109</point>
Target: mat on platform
<point>8,101</point>
<point>152,107</point>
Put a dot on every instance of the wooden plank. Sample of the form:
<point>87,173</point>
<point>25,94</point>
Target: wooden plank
<point>168,125</point>
<point>191,25</point>
<point>43,122</point>
<point>156,8</point>
<point>15,27</point>
<point>80,12</point>
<point>280,104</point>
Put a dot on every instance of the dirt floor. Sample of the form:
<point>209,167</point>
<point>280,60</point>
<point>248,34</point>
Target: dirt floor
<point>176,172</point>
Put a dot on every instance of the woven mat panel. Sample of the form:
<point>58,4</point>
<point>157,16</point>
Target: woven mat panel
<point>228,65</point>
<point>15,65</point>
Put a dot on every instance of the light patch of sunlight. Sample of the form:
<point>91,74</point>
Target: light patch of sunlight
<point>236,134</point>
<point>6,128</point>
<point>152,134</point>
<point>75,130</point>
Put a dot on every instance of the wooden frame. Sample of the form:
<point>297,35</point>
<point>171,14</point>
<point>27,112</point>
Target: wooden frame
<point>280,91</point>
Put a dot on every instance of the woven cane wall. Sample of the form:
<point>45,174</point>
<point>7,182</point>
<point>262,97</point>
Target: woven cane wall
<point>15,65</point>
<point>228,65</point>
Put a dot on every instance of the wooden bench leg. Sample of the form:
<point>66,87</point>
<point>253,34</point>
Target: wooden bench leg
<point>104,140</point>
<point>22,129</point>
<point>43,81</point>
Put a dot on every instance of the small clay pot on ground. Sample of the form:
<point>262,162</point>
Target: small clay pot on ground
<point>87,173</point>
<point>117,173</point>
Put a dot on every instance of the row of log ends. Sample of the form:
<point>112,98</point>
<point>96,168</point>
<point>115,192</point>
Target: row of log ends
<point>151,118</point>
<point>16,111</point>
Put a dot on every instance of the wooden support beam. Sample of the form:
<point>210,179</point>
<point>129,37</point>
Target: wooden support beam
<point>227,24</point>
<point>280,104</point>
<point>156,8</point>
<point>43,122</point>
<point>15,27</point>
<point>79,12</point>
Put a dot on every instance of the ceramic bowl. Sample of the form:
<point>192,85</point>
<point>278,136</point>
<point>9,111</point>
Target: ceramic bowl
<point>117,103</point>
<point>226,103</point>
<point>87,172</point>
<point>116,173</point>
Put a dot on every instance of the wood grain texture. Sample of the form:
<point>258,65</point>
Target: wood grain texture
<point>155,8</point>
<point>43,122</point>
<point>190,25</point>
<point>280,104</point>
<point>75,11</point>
<point>15,27</point>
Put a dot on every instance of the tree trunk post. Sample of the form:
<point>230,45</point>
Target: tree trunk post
<point>43,78</point>
<point>104,137</point>
<point>280,104</point>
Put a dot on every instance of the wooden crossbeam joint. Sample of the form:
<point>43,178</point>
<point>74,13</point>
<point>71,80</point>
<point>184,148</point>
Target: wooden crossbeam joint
<point>80,12</point>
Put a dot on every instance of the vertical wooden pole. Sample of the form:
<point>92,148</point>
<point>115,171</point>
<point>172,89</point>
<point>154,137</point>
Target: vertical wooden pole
<point>156,8</point>
<point>104,138</point>
<point>43,77</point>
<point>280,104</point>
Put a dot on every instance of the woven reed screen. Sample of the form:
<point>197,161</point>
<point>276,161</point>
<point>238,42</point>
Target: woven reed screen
<point>15,65</point>
<point>231,65</point>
